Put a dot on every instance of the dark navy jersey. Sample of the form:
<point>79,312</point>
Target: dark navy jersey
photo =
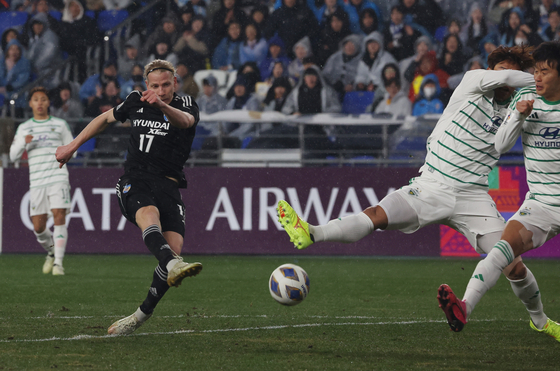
<point>156,146</point>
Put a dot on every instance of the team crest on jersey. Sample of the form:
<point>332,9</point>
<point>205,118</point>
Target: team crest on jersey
<point>525,212</point>
<point>414,192</point>
<point>126,188</point>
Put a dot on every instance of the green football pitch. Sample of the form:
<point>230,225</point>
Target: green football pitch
<point>361,314</point>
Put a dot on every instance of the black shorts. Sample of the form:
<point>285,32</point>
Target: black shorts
<point>136,191</point>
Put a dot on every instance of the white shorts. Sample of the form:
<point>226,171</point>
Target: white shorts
<point>471,213</point>
<point>541,219</point>
<point>43,199</point>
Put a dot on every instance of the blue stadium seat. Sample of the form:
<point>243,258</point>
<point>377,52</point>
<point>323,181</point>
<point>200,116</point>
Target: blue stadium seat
<point>12,20</point>
<point>56,14</point>
<point>108,19</point>
<point>356,102</point>
<point>88,146</point>
<point>90,13</point>
<point>440,33</point>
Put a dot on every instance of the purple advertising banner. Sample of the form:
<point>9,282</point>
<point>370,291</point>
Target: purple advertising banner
<point>228,211</point>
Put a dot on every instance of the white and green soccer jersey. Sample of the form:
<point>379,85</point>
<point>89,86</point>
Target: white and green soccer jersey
<point>460,150</point>
<point>47,136</point>
<point>541,145</point>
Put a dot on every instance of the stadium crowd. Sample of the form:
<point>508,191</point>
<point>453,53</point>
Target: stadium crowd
<point>292,56</point>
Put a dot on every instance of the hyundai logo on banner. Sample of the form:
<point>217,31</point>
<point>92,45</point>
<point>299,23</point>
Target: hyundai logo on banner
<point>550,133</point>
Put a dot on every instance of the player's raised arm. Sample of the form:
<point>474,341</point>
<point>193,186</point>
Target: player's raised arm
<point>96,126</point>
<point>177,118</point>
<point>511,128</point>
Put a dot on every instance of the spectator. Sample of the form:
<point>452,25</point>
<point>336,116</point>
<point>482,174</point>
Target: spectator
<point>64,106</point>
<point>374,59</point>
<point>259,15</point>
<point>529,15</point>
<point>368,21</point>
<point>421,46</point>
<point>136,74</point>
<point>355,7</point>
<point>95,82</point>
<point>326,11</point>
<point>169,29</point>
<point>292,22</point>
<point>342,67</point>
<point>416,72</point>
<point>475,29</point>
<point>399,37</point>
<point>39,7</point>
<point>43,50</point>
<point>276,53</point>
<point>242,99</point>
<point>516,32</point>
<point>550,29</point>
<point>75,23</point>
<point>254,47</point>
<point>130,58</point>
<point>190,86</point>
<point>395,100</point>
<point>451,58</point>
<point>7,36</point>
<point>193,46</point>
<point>278,71</point>
<point>428,99</point>
<point>276,135</point>
<point>301,50</point>
<point>116,4</point>
<point>251,74</point>
<point>162,50</point>
<point>230,12</point>
<point>186,15</point>
<point>227,53</point>
<point>311,96</point>
<point>209,102</point>
<point>453,27</point>
<point>335,30</point>
<point>429,16</point>
<point>199,7</point>
<point>15,71</point>
<point>544,9</point>
<point>488,44</point>
<point>105,99</point>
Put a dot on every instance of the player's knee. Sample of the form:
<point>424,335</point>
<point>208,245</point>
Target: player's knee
<point>377,216</point>
<point>516,271</point>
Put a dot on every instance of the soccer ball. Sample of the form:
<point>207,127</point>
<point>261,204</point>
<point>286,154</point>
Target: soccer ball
<point>289,284</point>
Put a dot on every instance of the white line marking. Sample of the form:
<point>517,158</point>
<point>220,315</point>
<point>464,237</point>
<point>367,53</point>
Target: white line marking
<point>87,337</point>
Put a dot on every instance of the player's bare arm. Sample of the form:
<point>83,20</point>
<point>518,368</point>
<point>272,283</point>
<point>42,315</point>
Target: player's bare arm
<point>97,125</point>
<point>177,118</point>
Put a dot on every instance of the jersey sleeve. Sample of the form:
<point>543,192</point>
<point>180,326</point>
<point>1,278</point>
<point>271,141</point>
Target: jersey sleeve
<point>486,80</point>
<point>187,104</point>
<point>511,128</point>
<point>18,145</point>
<point>122,111</point>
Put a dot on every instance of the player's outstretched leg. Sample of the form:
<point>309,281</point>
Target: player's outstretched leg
<point>455,310</point>
<point>128,325</point>
<point>551,329</point>
<point>297,229</point>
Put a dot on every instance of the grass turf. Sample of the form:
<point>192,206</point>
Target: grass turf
<point>361,314</point>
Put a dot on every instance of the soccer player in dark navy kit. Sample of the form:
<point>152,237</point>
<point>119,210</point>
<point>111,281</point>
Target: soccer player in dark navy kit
<point>163,128</point>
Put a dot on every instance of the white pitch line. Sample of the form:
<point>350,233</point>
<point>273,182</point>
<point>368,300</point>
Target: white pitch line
<point>88,337</point>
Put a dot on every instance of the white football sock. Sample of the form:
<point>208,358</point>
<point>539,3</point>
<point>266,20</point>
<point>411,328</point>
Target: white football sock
<point>45,239</point>
<point>60,235</point>
<point>527,290</point>
<point>487,273</point>
<point>141,315</point>
<point>348,229</point>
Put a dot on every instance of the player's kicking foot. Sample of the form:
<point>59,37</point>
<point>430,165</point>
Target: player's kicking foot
<point>551,329</point>
<point>48,265</point>
<point>127,325</point>
<point>182,270</point>
<point>297,229</point>
<point>57,270</point>
<point>455,310</point>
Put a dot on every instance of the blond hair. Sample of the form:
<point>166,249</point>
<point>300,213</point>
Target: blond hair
<point>160,65</point>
